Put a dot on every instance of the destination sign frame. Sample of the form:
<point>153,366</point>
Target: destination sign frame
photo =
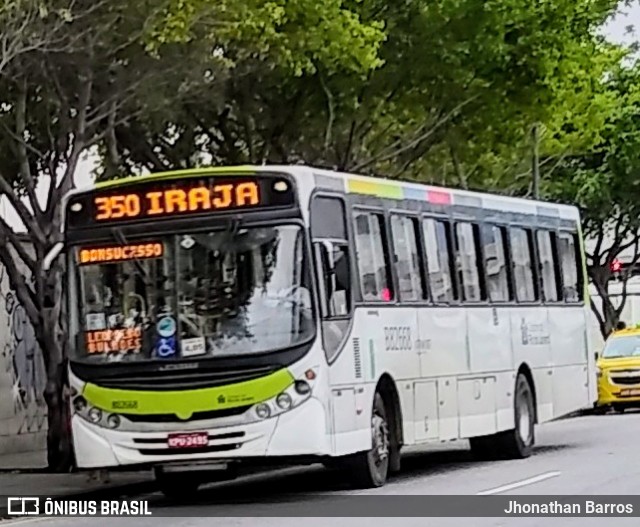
<point>161,200</point>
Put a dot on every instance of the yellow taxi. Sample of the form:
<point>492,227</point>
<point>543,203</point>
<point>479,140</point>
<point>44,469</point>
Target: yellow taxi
<point>618,370</point>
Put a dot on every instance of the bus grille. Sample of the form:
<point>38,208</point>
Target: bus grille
<point>187,380</point>
<point>201,450</point>
<point>197,416</point>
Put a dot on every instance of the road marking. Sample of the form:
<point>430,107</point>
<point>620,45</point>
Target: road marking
<point>518,484</point>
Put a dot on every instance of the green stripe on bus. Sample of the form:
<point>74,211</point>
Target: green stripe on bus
<point>184,403</point>
<point>179,174</point>
<point>381,190</point>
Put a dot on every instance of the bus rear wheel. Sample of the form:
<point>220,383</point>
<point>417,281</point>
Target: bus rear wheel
<point>518,442</point>
<point>371,469</point>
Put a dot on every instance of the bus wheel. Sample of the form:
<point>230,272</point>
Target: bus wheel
<point>370,469</point>
<point>177,486</point>
<point>518,443</point>
<point>618,408</point>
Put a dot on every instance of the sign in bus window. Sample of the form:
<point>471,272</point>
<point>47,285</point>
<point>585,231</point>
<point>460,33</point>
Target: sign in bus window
<point>120,253</point>
<point>127,340</point>
<point>178,198</point>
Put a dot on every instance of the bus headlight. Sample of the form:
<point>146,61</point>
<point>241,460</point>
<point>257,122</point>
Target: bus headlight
<point>292,397</point>
<point>263,411</point>
<point>113,421</point>
<point>284,401</point>
<point>95,414</point>
<point>79,404</point>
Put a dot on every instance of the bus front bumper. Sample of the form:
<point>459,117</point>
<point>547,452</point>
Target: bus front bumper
<point>299,432</point>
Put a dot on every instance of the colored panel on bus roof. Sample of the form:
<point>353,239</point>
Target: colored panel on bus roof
<point>548,211</point>
<point>467,201</point>
<point>329,183</point>
<point>415,194</point>
<point>381,190</point>
<point>438,197</point>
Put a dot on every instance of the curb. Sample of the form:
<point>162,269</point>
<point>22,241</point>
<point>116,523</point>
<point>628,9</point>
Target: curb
<point>113,492</point>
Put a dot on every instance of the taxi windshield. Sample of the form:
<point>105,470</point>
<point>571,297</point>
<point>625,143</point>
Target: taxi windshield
<point>626,346</point>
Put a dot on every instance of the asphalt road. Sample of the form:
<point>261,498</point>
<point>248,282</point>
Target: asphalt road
<point>591,455</point>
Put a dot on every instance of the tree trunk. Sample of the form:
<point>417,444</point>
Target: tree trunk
<point>59,446</point>
<point>608,316</point>
<point>57,393</point>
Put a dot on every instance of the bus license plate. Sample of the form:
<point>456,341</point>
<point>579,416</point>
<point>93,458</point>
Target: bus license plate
<point>631,391</point>
<point>193,440</point>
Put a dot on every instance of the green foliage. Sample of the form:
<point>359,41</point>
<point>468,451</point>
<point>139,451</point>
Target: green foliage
<point>445,90</point>
<point>298,35</point>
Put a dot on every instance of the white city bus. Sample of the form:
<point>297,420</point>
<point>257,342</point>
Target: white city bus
<point>230,315</point>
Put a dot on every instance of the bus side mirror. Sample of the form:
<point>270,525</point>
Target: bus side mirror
<point>51,256</point>
<point>596,356</point>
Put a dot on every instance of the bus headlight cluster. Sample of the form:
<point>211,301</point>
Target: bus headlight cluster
<point>290,398</point>
<point>95,415</point>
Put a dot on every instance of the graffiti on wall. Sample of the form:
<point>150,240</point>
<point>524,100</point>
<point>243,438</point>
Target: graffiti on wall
<point>23,363</point>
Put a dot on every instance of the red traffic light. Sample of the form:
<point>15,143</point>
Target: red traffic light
<point>616,266</point>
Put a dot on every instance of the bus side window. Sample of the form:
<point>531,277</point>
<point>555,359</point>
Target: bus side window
<point>372,257</point>
<point>522,264</point>
<point>567,252</point>
<point>548,266</point>
<point>336,280</point>
<point>405,246</point>
<point>467,261</point>
<point>332,261</point>
<point>437,248</point>
<point>495,263</point>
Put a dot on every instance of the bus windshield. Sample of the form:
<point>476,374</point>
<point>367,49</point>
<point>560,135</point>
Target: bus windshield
<point>617,347</point>
<point>211,294</point>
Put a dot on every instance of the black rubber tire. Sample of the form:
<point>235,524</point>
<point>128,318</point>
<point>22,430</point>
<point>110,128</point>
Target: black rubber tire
<point>177,486</point>
<point>511,444</point>
<point>370,469</point>
<point>619,409</point>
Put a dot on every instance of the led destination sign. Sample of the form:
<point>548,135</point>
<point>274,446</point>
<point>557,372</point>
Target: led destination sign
<point>119,253</point>
<point>178,198</point>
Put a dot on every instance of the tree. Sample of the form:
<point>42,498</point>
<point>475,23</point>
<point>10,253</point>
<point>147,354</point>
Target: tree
<point>71,74</point>
<point>604,182</point>
<point>460,84</point>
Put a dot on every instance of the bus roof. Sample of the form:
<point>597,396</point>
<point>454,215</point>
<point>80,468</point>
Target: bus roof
<point>376,186</point>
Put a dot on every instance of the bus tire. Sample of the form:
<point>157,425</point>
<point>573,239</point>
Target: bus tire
<point>177,486</point>
<point>518,443</point>
<point>371,468</point>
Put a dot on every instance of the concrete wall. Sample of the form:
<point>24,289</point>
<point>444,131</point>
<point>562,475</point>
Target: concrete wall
<point>22,381</point>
